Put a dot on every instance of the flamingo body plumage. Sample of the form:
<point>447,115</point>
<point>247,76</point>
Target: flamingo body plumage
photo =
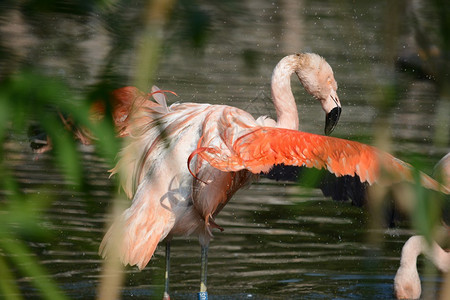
<point>178,203</point>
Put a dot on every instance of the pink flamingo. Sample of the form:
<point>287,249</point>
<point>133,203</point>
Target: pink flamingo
<point>184,164</point>
<point>407,281</point>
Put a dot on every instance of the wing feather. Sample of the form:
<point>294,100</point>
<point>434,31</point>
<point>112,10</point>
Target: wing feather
<point>261,149</point>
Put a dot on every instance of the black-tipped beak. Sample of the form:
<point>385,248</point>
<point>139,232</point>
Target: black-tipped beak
<point>331,120</point>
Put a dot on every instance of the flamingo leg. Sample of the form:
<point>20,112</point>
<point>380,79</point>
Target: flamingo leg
<point>166,274</point>
<point>203,294</point>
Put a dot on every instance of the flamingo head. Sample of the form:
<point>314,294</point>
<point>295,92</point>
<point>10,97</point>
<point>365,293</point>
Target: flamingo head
<point>317,78</point>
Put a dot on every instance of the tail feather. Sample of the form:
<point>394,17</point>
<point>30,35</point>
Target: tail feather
<point>135,235</point>
<point>130,247</point>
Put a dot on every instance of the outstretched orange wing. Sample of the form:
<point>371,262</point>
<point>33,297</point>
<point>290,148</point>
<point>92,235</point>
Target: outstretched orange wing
<point>265,147</point>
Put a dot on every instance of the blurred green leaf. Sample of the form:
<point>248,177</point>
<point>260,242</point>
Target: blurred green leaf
<point>22,215</point>
<point>427,211</point>
<point>8,286</point>
<point>27,96</point>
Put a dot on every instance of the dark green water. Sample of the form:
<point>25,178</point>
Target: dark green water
<point>280,240</point>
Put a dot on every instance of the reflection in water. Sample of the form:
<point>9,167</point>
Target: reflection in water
<point>280,240</point>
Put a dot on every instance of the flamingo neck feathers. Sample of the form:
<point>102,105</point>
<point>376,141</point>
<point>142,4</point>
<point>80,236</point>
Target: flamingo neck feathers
<point>307,66</point>
<point>283,99</point>
<point>407,281</point>
<point>417,245</point>
<point>411,250</point>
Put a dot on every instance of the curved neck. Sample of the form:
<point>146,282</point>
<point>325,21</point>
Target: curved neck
<point>411,250</point>
<point>282,97</point>
<point>417,245</point>
<point>440,258</point>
